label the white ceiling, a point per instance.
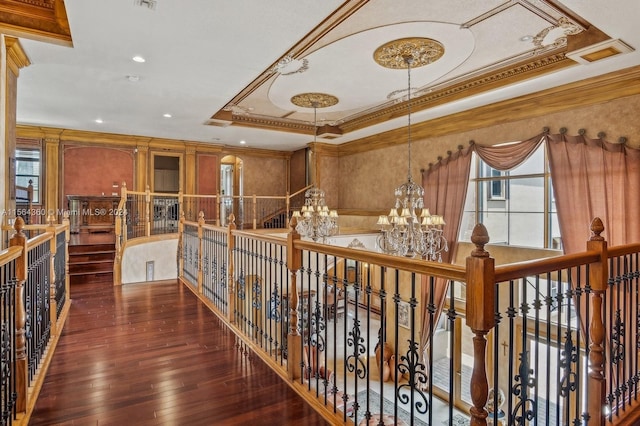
(203, 55)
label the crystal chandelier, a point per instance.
(409, 229)
(315, 220)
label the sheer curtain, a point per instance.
(594, 178)
(445, 187)
(445, 192)
(591, 178)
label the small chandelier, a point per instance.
(410, 229)
(315, 220)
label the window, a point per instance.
(495, 186)
(516, 206)
(28, 169)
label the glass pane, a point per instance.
(442, 354)
(497, 223)
(28, 153)
(526, 229)
(467, 364)
(526, 195)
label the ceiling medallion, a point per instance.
(314, 100)
(423, 51)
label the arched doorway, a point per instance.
(231, 190)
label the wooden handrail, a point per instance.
(534, 267)
(300, 191)
(9, 254)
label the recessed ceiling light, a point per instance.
(138, 58)
(133, 78)
(242, 142)
(99, 120)
(526, 38)
(167, 115)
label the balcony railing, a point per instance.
(360, 333)
(146, 213)
(35, 303)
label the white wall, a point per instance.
(163, 253)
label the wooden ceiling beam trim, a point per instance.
(37, 20)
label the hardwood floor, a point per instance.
(153, 354)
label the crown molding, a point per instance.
(16, 56)
(570, 96)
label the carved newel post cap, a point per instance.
(182, 216)
(18, 225)
(479, 237)
(51, 219)
(597, 227)
(65, 214)
(201, 218)
(232, 218)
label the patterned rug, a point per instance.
(374, 408)
(458, 420)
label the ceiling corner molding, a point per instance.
(604, 49)
(17, 57)
(320, 148)
(42, 20)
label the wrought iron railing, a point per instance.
(361, 332)
(35, 302)
(142, 214)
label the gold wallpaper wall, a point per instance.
(368, 179)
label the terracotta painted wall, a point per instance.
(368, 179)
(208, 170)
(89, 170)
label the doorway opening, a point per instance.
(231, 190)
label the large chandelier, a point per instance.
(315, 219)
(410, 229)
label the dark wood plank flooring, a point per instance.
(153, 354)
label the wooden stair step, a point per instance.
(87, 267)
(92, 248)
(91, 278)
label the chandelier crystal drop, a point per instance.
(315, 219)
(410, 229)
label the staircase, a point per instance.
(91, 258)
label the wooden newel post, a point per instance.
(180, 255)
(294, 262)
(200, 249)
(148, 212)
(598, 276)
(20, 368)
(53, 248)
(67, 237)
(481, 307)
(231, 288)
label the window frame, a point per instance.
(35, 178)
(482, 180)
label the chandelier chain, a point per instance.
(409, 61)
(410, 229)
